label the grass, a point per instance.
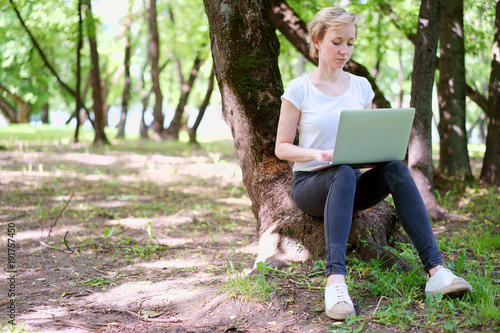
(388, 298)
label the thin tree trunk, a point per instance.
(45, 113)
(100, 135)
(186, 87)
(126, 63)
(399, 100)
(451, 87)
(424, 64)
(490, 172)
(79, 46)
(143, 129)
(154, 49)
(203, 107)
(250, 84)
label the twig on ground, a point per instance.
(15, 217)
(65, 243)
(154, 320)
(60, 213)
(378, 305)
(100, 240)
(75, 326)
(54, 248)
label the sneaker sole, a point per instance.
(454, 290)
(340, 316)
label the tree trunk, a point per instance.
(23, 110)
(100, 136)
(454, 155)
(424, 64)
(490, 172)
(126, 64)
(143, 129)
(154, 51)
(8, 111)
(399, 100)
(203, 107)
(79, 46)
(250, 84)
(295, 30)
(45, 113)
(186, 87)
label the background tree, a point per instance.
(490, 172)
(78, 104)
(154, 51)
(100, 135)
(202, 108)
(186, 88)
(424, 64)
(451, 87)
(126, 63)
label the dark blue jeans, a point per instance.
(336, 192)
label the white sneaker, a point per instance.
(338, 304)
(447, 283)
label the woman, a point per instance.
(312, 104)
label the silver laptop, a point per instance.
(368, 137)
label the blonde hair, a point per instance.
(326, 19)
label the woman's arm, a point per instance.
(287, 128)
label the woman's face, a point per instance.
(337, 45)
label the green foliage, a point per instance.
(23, 71)
(247, 287)
(18, 327)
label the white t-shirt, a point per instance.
(320, 113)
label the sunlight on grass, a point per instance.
(247, 287)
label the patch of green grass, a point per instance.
(17, 327)
(93, 282)
(248, 287)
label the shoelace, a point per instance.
(336, 293)
(340, 293)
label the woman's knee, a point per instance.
(343, 173)
(397, 173)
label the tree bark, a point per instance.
(295, 30)
(203, 107)
(45, 113)
(424, 64)
(79, 46)
(23, 110)
(186, 87)
(154, 51)
(143, 129)
(250, 83)
(451, 88)
(8, 111)
(490, 172)
(126, 64)
(100, 135)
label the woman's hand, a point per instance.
(323, 155)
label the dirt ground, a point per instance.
(127, 242)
